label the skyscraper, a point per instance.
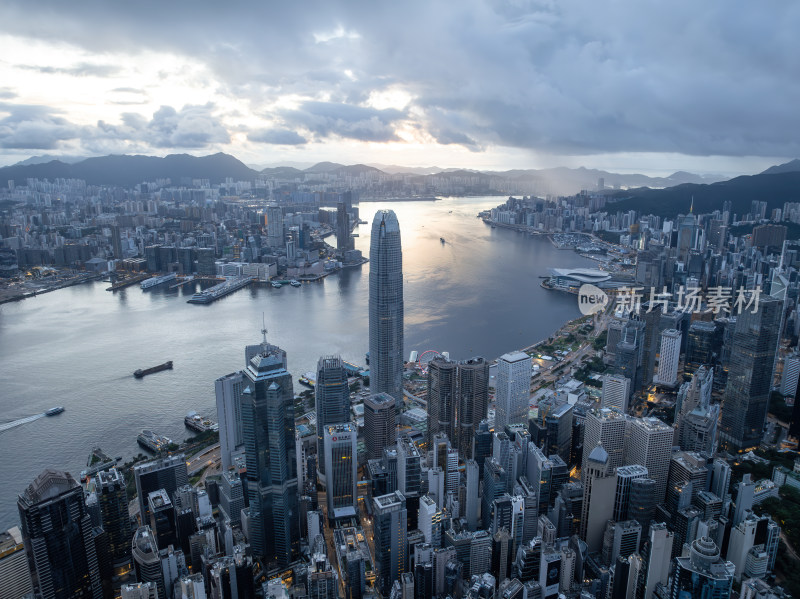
(274, 224)
(648, 442)
(697, 417)
(341, 463)
(599, 486)
(616, 392)
(165, 473)
(380, 430)
(607, 427)
(113, 500)
(442, 398)
(14, 572)
(669, 357)
(57, 534)
(344, 241)
(269, 437)
(473, 402)
(703, 574)
(333, 401)
(146, 559)
(513, 389)
(744, 406)
(386, 306)
(228, 390)
(390, 539)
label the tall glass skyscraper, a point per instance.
(744, 406)
(269, 439)
(386, 306)
(333, 401)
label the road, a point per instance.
(208, 459)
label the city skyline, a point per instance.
(656, 89)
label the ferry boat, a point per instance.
(54, 411)
(442, 240)
(147, 284)
(153, 441)
(309, 379)
(295, 283)
(197, 423)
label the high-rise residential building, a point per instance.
(146, 560)
(696, 416)
(228, 391)
(607, 427)
(57, 535)
(442, 398)
(332, 395)
(386, 306)
(167, 473)
(703, 574)
(668, 358)
(744, 407)
(648, 442)
(473, 402)
(112, 498)
(341, 462)
(14, 572)
(275, 235)
(380, 430)
(512, 389)
(390, 521)
(344, 240)
(599, 486)
(616, 392)
(269, 437)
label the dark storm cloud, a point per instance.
(83, 69)
(566, 76)
(280, 137)
(325, 119)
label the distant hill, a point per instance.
(792, 166)
(127, 170)
(45, 158)
(775, 189)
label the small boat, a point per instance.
(142, 373)
(295, 283)
(54, 411)
(442, 240)
(276, 285)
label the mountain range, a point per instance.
(666, 196)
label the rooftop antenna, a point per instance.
(264, 328)
(691, 206)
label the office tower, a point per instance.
(630, 353)
(191, 587)
(57, 535)
(550, 573)
(616, 392)
(616, 327)
(495, 481)
(269, 437)
(386, 306)
(473, 402)
(599, 486)
(344, 240)
(688, 475)
(512, 389)
(173, 566)
(567, 509)
(548, 474)
(167, 473)
(501, 555)
(14, 572)
(703, 574)
(409, 468)
(322, 580)
(649, 443)
(753, 546)
(116, 242)
(146, 559)
(703, 345)
(341, 463)
(332, 395)
(642, 501)
(697, 418)
(162, 518)
(472, 476)
(231, 497)
(745, 498)
(744, 407)
(790, 376)
(622, 497)
(480, 550)
(275, 236)
(621, 539)
(607, 427)
(657, 558)
(139, 590)
(668, 358)
(112, 497)
(355, 581)
(390, 520)
(556, 420)
(442, 398)
(625, 574)
(380, 430)
(652, 317)
(430, 521)
(720, 478)
(228, 391)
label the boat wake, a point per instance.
(20, 422)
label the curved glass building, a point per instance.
(386, 306)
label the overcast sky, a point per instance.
(626, 85)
